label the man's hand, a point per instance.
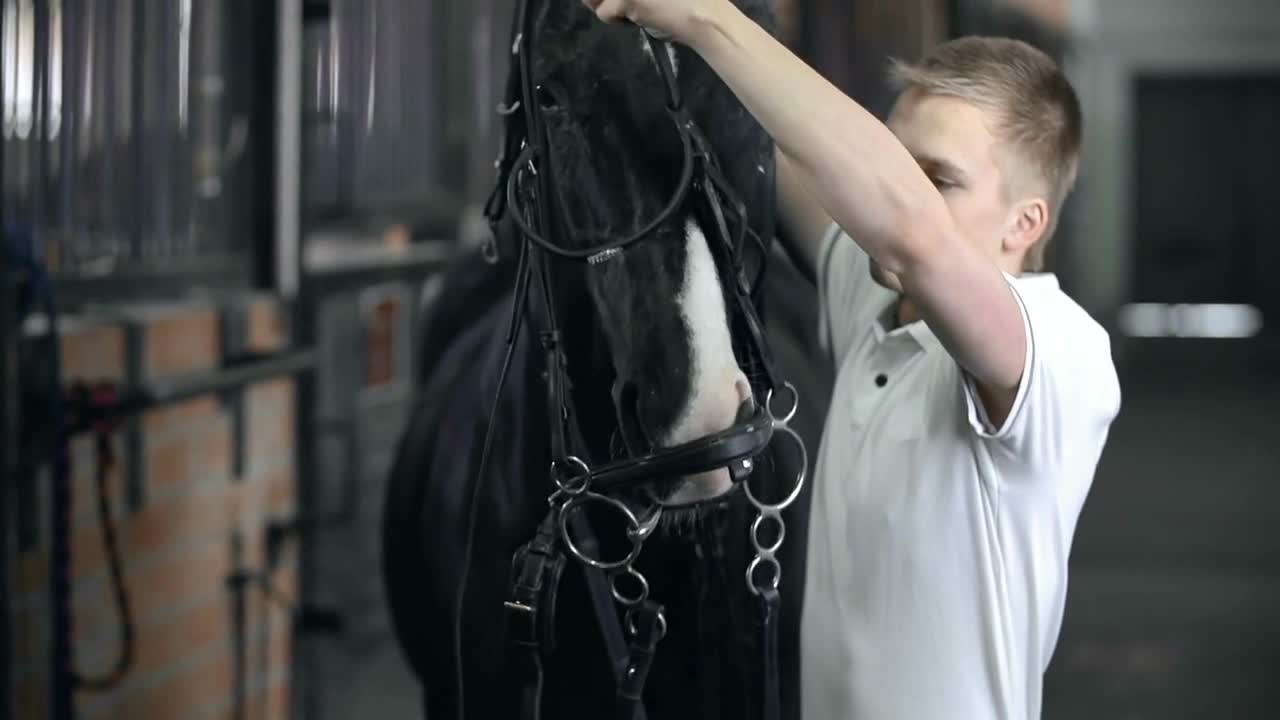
(679, 20)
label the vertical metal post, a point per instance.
(8, 469)
(159, 135)
(209, 86)
(8, 439)
(289, 280)
(138, 126)
(69, 133)
(39, 137)
(288, 150)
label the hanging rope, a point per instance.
(82, 409)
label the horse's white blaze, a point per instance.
(718, 385)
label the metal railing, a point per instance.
(130, 138)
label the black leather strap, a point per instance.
(770, 698)
(615, 641)
(530, 615)
(649, 627)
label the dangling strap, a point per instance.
(770, 701)
(530, 615)
(615, 641)
(649, 626)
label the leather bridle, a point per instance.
(524, 191)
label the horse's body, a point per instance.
(708, 666)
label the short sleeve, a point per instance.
(843, 284)
(1069, 392)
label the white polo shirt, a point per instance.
(938, 544)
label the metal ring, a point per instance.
(662, 623)
(800, 476)
(622, 597)
(632, 531)
(569, 488)
(795, 403)
(755, 533)
(644, 528)
(751, 573)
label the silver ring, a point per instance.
(634, 525)
(622, 597)
(751, 573)
(568, 488)
(755, 533)
(643, 529)
(662, 623)
(795, 403)
(800, 476)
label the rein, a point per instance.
(523, 191)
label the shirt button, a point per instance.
(882, 380)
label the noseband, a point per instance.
(523, 191)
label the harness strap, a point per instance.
(649, 626)
(536, 571)
(598, 589)
(770, 702)
(514, 133)
(739, 283)
(555, 395)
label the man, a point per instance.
(973, 397)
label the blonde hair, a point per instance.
(1037, 113)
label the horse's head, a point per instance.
(615, 160)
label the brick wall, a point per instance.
(193, 520)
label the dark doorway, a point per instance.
(1207, 152)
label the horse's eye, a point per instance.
(547, 99)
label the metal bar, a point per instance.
(137, 130)
(8, 438)
(39, 137)
(288, 149)
(236, 375)
(159, 137)
(69, 100)
(8, 469)
(149, 281)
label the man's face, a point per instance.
(951, 140)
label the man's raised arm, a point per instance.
(866, 180)
(804, 222)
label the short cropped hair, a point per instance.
(1035, 106)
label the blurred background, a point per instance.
(242, 208)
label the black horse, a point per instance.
(655, 358)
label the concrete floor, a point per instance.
(1173, 606)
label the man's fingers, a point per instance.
(611, 10)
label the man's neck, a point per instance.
(905, 312)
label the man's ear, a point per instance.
(1028, 221)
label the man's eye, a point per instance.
(942, 183)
